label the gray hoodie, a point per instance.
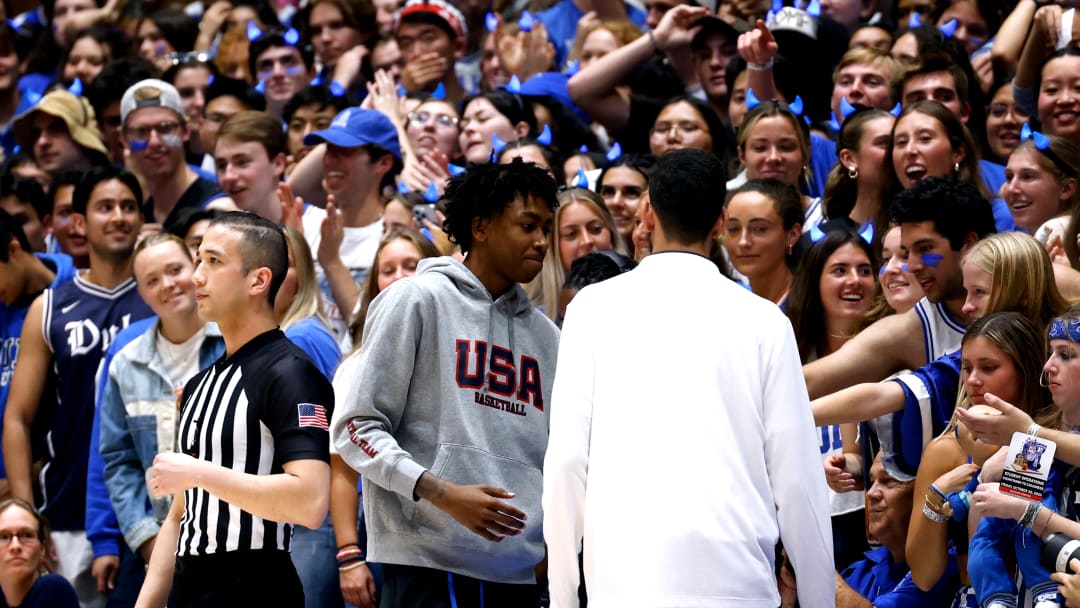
(452, 382)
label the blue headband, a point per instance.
(1065, 329)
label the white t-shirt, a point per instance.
(181, 360)
(357, 253)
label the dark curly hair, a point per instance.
(484, 190)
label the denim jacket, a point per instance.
(137, 408)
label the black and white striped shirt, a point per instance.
(252, 412)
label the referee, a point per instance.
(252, 442)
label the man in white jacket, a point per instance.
(682, 447)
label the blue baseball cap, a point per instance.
(552, 85)
(355, 127)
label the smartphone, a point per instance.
(425, 211)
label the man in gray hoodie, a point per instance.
(447, 420)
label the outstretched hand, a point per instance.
(995, 429)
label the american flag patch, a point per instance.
(313, 416)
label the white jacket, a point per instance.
(682, 446)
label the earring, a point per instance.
(789, 249)
(853, 172)
(956, 167)
(1044, 379)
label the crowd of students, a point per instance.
(902, 182)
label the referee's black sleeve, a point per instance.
(294, 383)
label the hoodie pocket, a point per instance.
(470, 466)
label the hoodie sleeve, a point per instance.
(795, 473)
(368, 416)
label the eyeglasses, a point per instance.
(163, 129)
(1000, 110)
(26, 537)
(684, 128)
(443, 120)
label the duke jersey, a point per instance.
(11, 323)
(79, 322)
(941, 333)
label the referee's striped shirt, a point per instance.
(264, 406)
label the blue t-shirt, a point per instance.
(561, 22)
(887, 584)
(48, 591)
(11, 324)
(317, 342)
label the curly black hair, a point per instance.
(484, 190)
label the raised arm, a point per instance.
(594, 88)
(758, 47)
(1009, 41)
(864, 401)
(27, 387)
(306, 178)
(889, 345)
(998, 430)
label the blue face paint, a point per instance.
(295, 70)
(881, 271)
(933, 260)
(904, 267)
(138, 145)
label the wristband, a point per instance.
(347, 545)
(759, 67)
(933, 515)
(1033, 430)
(351, 566)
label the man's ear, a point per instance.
(259, 281)
(480, 229)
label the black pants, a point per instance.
(236, 578)
(415, 587)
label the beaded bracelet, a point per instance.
(351, 566)
(933, 515)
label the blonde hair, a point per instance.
(307, 302)
(875, 58)
(544, 289)
(624, 33)
(1021, 276)
(426, 248)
